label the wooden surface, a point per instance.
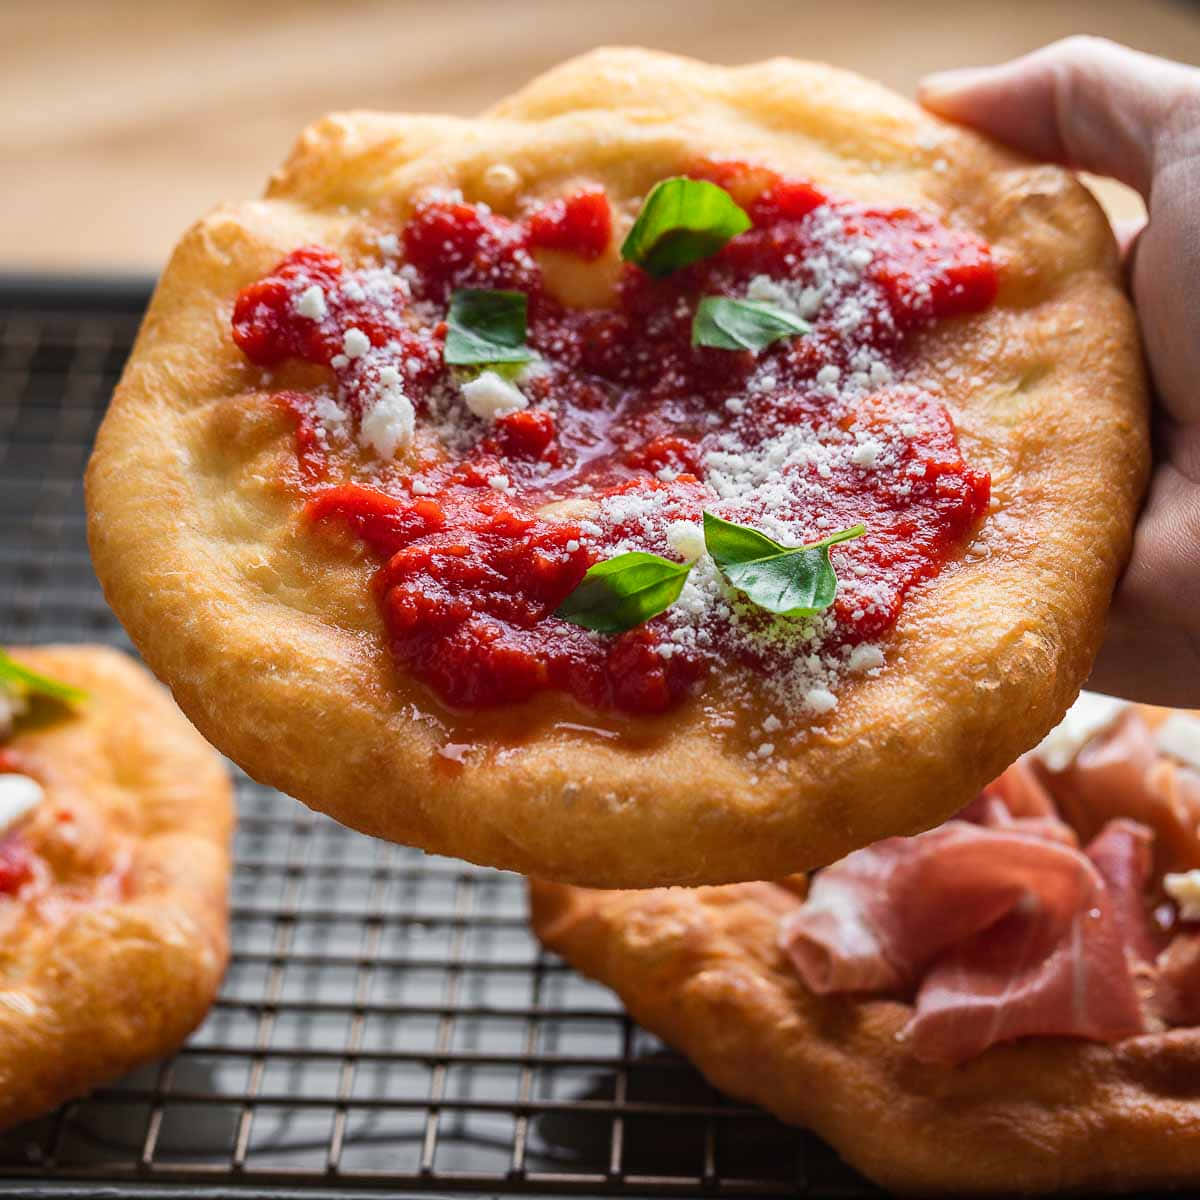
(124, 120)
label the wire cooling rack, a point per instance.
(387, 1021)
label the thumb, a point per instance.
(1085, 102)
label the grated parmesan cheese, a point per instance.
(311, 303)
(866, 454)
(388, 424)
(355, 343)
(865, 658)
(687, 539)
(489, 396)
(820, 700)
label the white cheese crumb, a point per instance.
(19, 796)
(828, 374)
(389, 244)
(1089, 715)
(686, 538)
(388, 424)
(421, 488)
(355, 343)
(866, 454)
(329, 413)
(908, 430)
(311, 303)
(820, 700)
(764, 288)
(772, 723)
(572, 546)
(1184, 888)
(766, 750)
(489, 396)
(865, 658)
(499, 482)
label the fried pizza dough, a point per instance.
(707, 970)
(267, 631)
(115, 884)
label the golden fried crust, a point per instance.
(701, 969)
(268, 635)
(118, 956)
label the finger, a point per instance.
(1085, 102)
(1152, 644)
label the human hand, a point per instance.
(1100, 107)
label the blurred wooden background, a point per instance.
(124, 120)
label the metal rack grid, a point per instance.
(387, 1020)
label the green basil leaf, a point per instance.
(682, 221)
(728, 324)
(790, 581)
(729, 542)
(799, 584)
(842, 535)
(24, 681)
(485, 327)
(624, 591)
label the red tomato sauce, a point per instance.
(624, 407)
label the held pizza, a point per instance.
(1006, 1004)
(114, 866)
(680, 474)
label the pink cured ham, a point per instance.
(998, 925)
(999, 931)
(1120, 773)
(1177, 995)
(1123, 854)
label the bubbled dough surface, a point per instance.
(93, 983)
(701, 969)
(268, 636)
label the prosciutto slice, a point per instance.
(1123, 854)
(1011, 921)
(1177, 995)
(1000, 930)
(1120, 773)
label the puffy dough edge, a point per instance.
(988, 658)
(701, 969)
(125, 981)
